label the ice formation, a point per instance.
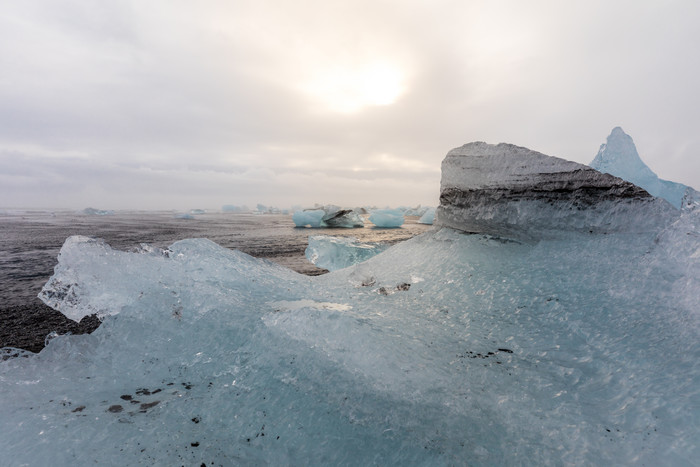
(387, 218)
(618, 156)
(448, 349)
(418, 211)
(428, 217)
(309, 217)
(514, 192)
(97, 212)
(328, 216)
(335, 253)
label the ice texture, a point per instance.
(514, 192)
(335, 253)
(451, 348)
(428, 217)
(618, 156)
(387, 218)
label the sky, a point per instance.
(172, 104)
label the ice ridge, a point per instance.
(618, 156)
(514, 192)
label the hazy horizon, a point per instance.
(131, 105)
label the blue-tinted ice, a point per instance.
(446, 349)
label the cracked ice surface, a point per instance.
(577, 350)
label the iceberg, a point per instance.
(345, 218)
(309, 217)
(513, 192)
(97, 212)
(335, 253)
(328, 216)
(428, 217)
(451, 348)
(387, 218)
(618, 156)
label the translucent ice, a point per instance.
(387, 217)
(428, 217)
(309, 217)
(334, 253)
(618, 156)
(446, 349)
(328, 216)
(97, 212)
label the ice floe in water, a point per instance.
(450, 348)
(334, 253)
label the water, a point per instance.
(30, 240)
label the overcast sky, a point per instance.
(178, 104)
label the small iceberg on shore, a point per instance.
(335, 253)
(328, 216)
(387, 218)
(428, 217)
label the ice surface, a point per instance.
(387, 218)
(428, 217)
(619, 157)
(445, 349)
(335, 253)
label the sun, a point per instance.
(348, 90)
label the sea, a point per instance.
(30, 240)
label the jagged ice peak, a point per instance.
(618, 156)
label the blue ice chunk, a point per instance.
(387, 218)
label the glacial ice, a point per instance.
(428, 217)
(387, 218)
(451, 348)
(335, 253)
(97, 212)
(618, 156)
(309, 217)
(514, 192)
(328, 216)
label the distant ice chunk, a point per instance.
(309, 218)
(234, 208)
(418, 211)
(197, 211)
(328, 216)
(387, 218)
(97, 212)
(428, 217)
(335, 253)
(183, 215)
(618, 156)
(346, 218)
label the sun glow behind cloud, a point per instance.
(349, 90)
